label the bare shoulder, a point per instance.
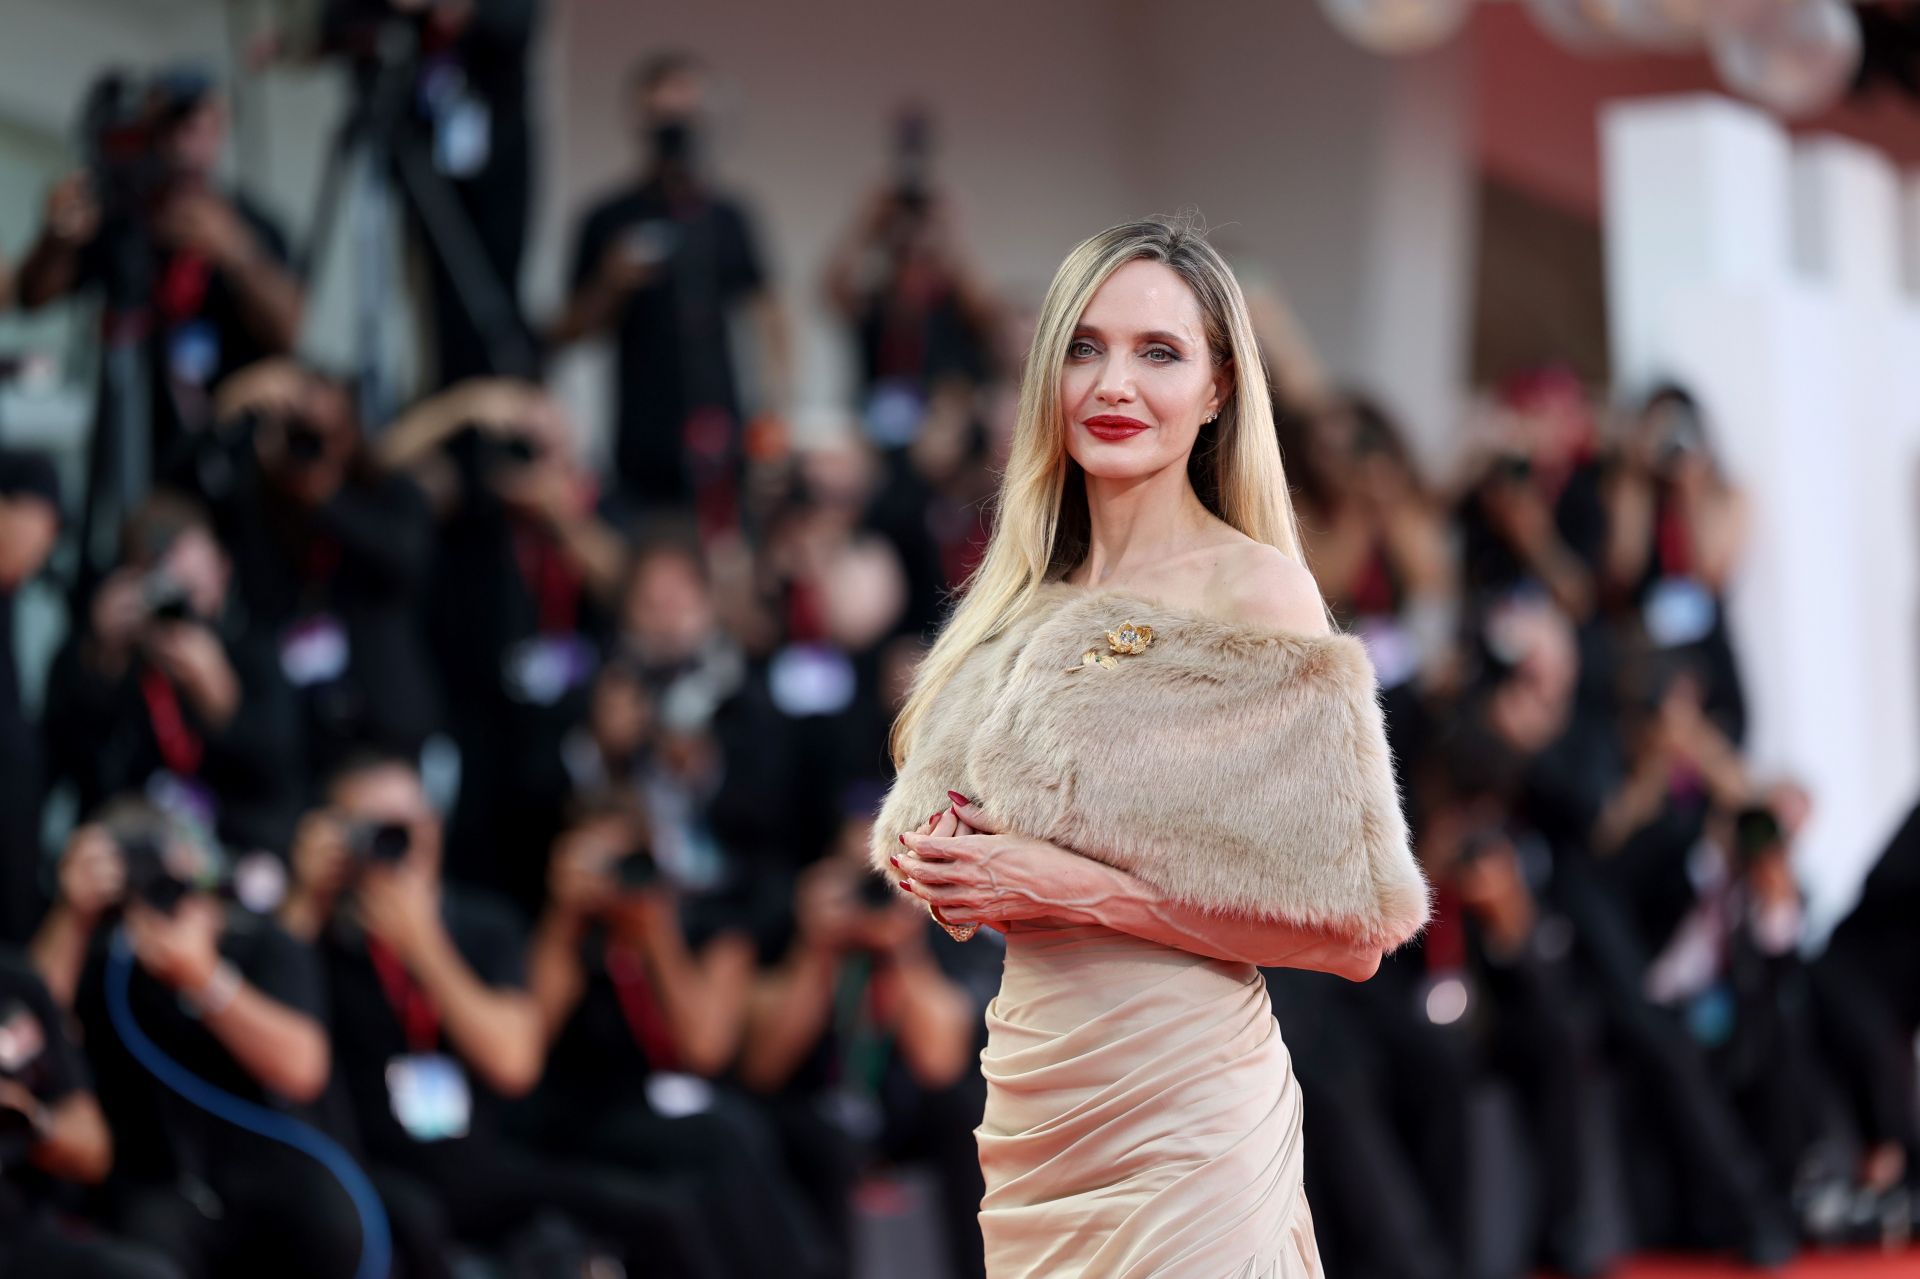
(1261, 585)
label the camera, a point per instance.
(143, 854)
(876, 892)
(379, 843)
(488, 450)
(166, 598)
(1756, 831)
(636, 870)
(124, 120)
(1516, 468)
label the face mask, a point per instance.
(673, 142)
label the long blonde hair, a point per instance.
(1041, 523)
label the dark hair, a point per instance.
(661, 65)
(362, 760)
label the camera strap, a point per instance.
(180, 746)
(418, 1018)
(640, 1006)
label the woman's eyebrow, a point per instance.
(1151, 335)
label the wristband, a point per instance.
(216, 993)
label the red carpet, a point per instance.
(1853, 1265)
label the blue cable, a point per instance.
(376, 1240)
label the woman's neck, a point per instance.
(1136, 525)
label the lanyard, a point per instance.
(416, 1013)
(555, 583)
(640, 1005)
(1675, 547)
(861, 1059)
(180, 747)
(183, 286)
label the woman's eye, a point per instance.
(1161, 350)
(1079, 349)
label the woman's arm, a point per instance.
(998, 876)
(1134, 906)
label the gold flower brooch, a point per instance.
(1125, 639)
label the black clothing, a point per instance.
(489, 59)
(159, 1137)
(52, 1074)
(485, 1186)
(369, 1031)
(200, 332)
(21, 898)
(518, 637)
(352, 568)
(672, 343)
(112, 734)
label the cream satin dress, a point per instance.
(1142, 1116)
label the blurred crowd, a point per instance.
(437, 855)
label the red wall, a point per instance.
(1536, 106)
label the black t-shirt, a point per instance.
(853, 1051)
(157, 1134)
(22, 475)
(369, 1032)
(106, 735)
(40, 1056)
(201, 331)
(352, 569)
(604, 1051)
(672, 332)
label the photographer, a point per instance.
(162, 689)
(663, 265)
(330, 556)
(29, 524)
(643, 988)
(219, 288)
(525, 566)
(51, 1133)
(436, 1028)
(920, 310)
(861, 1037)
(236, 1003)
(1676, 528)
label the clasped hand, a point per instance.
(985, 873)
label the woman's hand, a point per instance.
(995, 877)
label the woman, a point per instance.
(1165, 770)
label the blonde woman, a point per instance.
(1157, 769)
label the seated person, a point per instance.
(162, 690)
(52, 1137)
(643, 987)
(436, 1028)
(863, 1036)
(236, 1002)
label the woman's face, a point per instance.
(1139, 358)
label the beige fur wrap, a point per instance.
(1235, 768)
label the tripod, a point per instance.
(380, 139)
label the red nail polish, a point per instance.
(958, 798)
(906, 885)
(903, 839)
(895, 861)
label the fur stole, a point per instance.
(1235, 768)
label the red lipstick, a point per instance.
(1114, 426)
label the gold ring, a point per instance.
(959, 932)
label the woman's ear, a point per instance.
(1222, 389)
